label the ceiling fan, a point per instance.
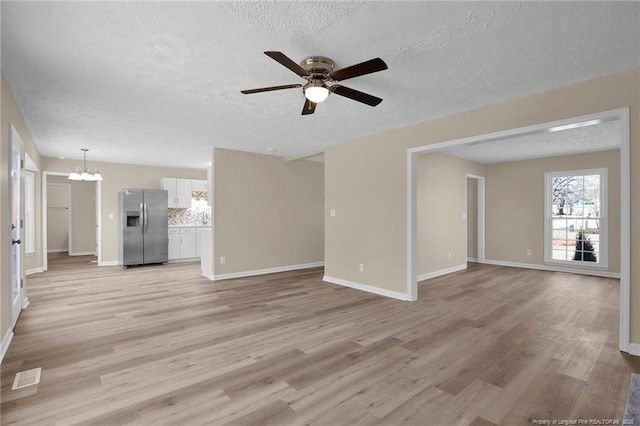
(318, 71)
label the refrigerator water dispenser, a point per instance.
(133, 219)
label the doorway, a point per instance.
(77, 214)
(621, 116)
(58, 217)
(475, 218)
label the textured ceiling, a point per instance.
(600, 137)
(159, 83)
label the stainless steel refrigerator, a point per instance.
(143, 223)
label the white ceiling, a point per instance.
(159, 83)
(601, 137)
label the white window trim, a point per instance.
(603, 257)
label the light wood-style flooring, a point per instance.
(162, 345)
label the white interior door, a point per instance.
(17, 225)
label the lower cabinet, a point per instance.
(174, 243)
(199, 232)
(187, 243)
(184, 243)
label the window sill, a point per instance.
(587, 266)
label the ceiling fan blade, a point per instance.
(284, 60)
(269, 89)
(309, 107)
(363, 68)
(356, 95)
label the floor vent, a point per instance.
(27, 378)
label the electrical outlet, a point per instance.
(361, 267)
(529, 252)
(332, 212)
(223, 260)
(449, 255)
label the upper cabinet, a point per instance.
(179, 192)
(198, 185)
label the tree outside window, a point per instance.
(576, 201)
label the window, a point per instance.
(576, 218)
(29, 212)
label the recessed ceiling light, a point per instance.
(575, 125)
(271, 150)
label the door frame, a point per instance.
(622, 115)
(480, 212)
(45, 176)
(16, 141)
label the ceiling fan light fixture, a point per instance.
(317, 71)
(316, 91)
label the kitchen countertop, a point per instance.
(208, 225)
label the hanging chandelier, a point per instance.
(84, 172)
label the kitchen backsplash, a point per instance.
(199, 195)
(192, 216)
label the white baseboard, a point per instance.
(109, 263)
(265, 271)
(367, 288)
(190, 259)
(6, 341)
(25, 303)
(34, 271)
(62, 250)
(605, 274)
(83, 253)
(442, 272)
(634, 349)
(472, 259)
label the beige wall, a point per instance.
(441, 203)
(83, 215)
(10, 114)
(515, 205)
(58, 211)
(267, 212)
(366, 179)
(472, 218)
(117, 177)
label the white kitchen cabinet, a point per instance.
(198, 185)
(184, 242)
(179, 192)
(199, 232)
(187, 243)
(205, 254)
(174, 243)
